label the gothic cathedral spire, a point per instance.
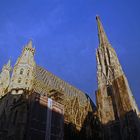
(108, 65)
(113, 87)
(5, 78)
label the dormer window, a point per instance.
(21, 71)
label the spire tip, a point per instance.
(101, 33)
(97, 17)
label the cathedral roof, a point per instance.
(46, 79)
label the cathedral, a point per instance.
(37, 105)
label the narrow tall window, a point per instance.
(28, 72)
(19, 80)
(21, 71)
(26, 81)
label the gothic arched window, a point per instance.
(21, 71)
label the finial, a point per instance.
(29, 45)
(9, 63)
(97, 17)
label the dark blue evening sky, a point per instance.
(64, 33)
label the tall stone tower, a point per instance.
(114, 97)
(5, 78)
(23, 72)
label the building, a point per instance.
(36, 104)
